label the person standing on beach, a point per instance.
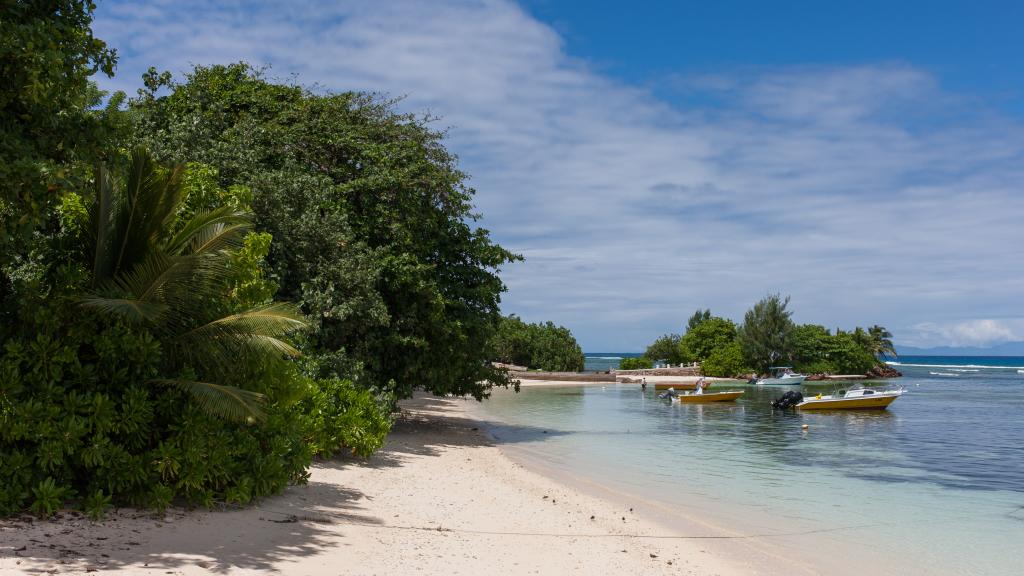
(643, 385)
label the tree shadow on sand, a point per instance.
(426, 426)
(302, 522)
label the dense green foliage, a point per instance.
(665, 348)
(47, 54)
(371, 220)
(768, 337)
(766, 332)
(162, 263)
(635, 363)
(80, 418)
(146, 355)
(725, 361)
(698, 317)
(540, 346)
(705, 337)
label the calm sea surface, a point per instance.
(934, 485)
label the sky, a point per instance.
(652, 158)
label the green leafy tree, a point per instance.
(766, 333)
(810, 345)
(704, 338)
(168, 275)
(848, 354)
(48, 134)
(725, 362)
(543, 346)
(372, 222)
(665, 348)
(698, 317)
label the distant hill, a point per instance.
(1004, 349)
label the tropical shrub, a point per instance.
(80, 421)
(635, 363)
(343, 416)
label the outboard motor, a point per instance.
(788, 400)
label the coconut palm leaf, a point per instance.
(213, 230)
(149, 203)
(218, 345)
(228, 402)
(133, 310)
(173, 277)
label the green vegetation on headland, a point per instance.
(205, 286)
(768, 337)
(541, 346)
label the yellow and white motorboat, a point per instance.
(856, 399)
(708, 397)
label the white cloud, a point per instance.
(969, 333)
(866, 192)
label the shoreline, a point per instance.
(440, 497)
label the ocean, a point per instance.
(934, 485)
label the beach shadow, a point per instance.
(256, 538)
(426, 425)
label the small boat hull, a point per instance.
(781, 381)
(709, 397)
(875, 402)
(676, 385)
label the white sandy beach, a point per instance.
(440, 498)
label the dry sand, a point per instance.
(439, 498)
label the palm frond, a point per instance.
(217, 347)
(275, 319)
(228, 402)
(211, 230)
(101, 216)
(136, 311)
(151, 199)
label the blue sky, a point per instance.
(650, 159)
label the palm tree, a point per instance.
(168, 274)
(881, 342)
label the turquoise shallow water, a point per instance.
(934, 485)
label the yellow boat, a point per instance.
(856, 399)
(708, 397)
(674, 385)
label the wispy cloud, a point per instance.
(867, 192)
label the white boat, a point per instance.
(782, 376)
(856, 399)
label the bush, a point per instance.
(725, 362)
(635, 364)
(344, 416)
(80, 422)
